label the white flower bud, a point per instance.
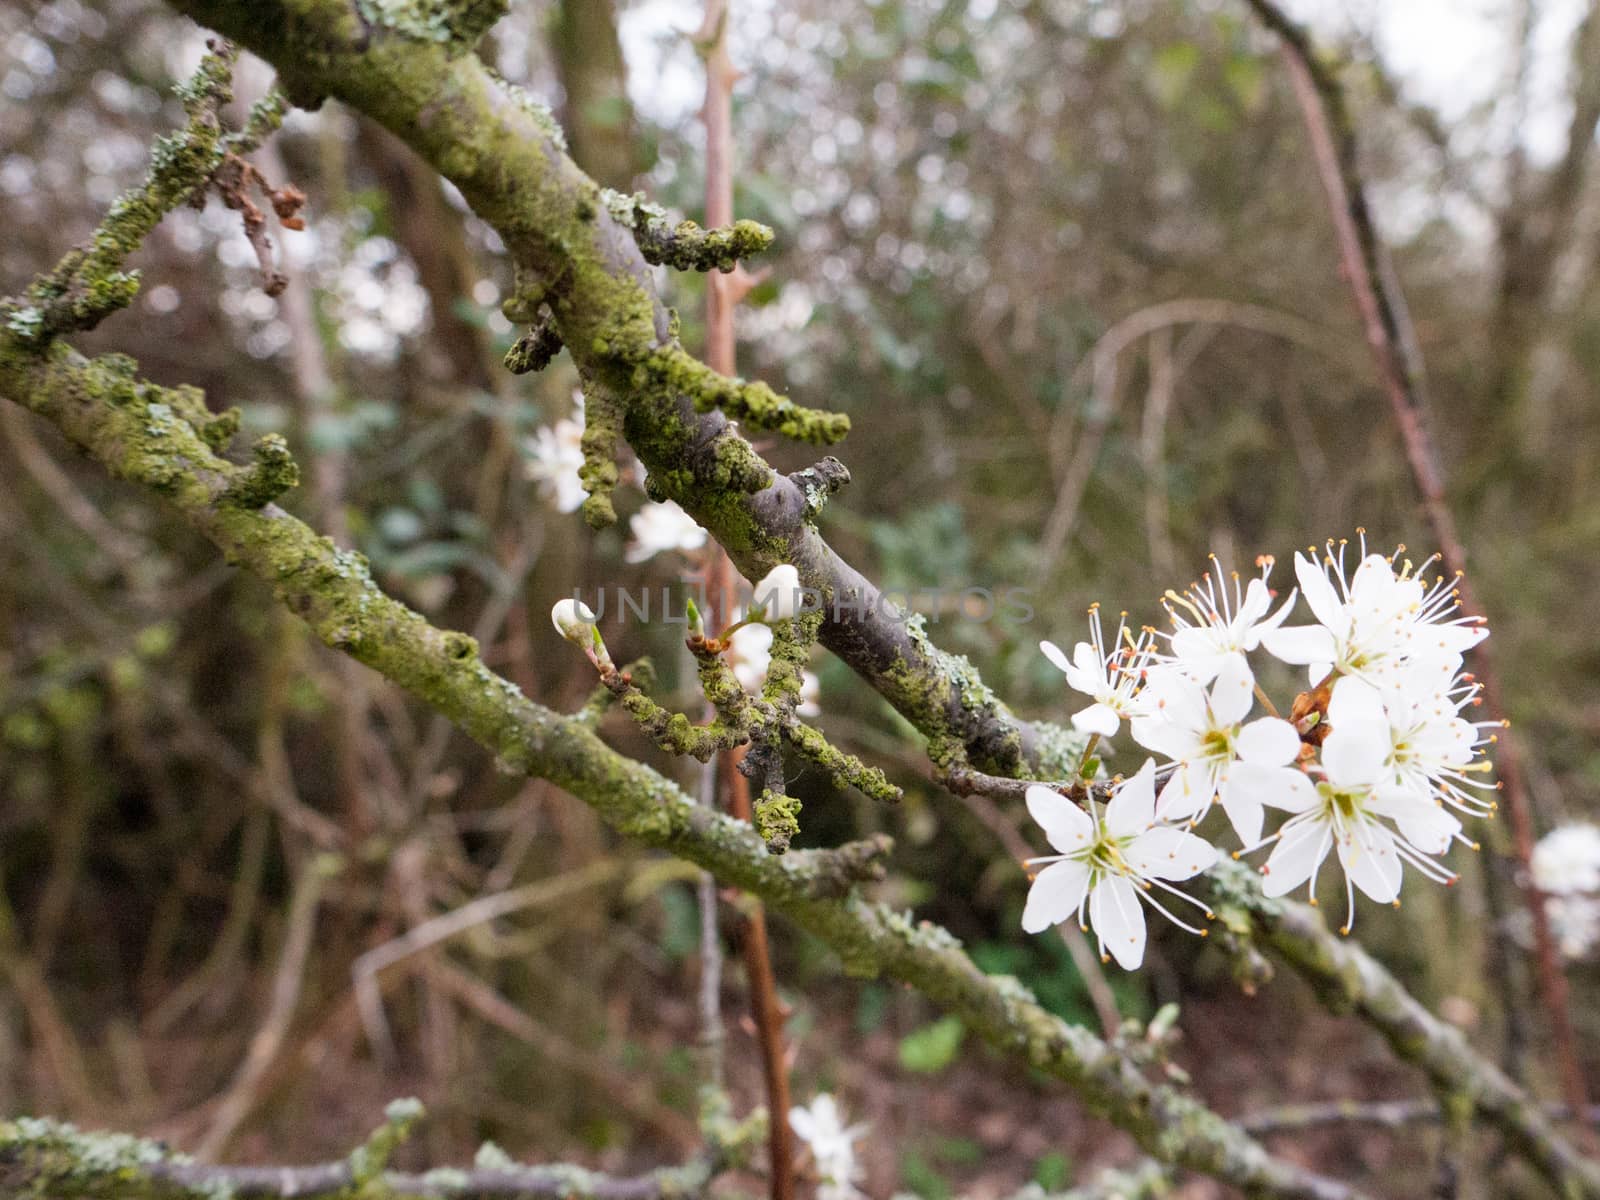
(777, 596)
(573, 620)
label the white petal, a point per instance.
(1373, 585)
(1055, 654)
(1231, 695)
(1372, 864)
(1118, 918)
(1257, 599)
(1445, 741)
(1055, 895)
(1278, 787)
(1299, 644)
(1319, 592)
(1168, 853)
(1253, 638)
(1196, 648)
(1087, 671)
(1186, 794)
(1295, 856)
(1355, 700)
(1428, 826)
(1269, 741)
(1354, 754)
(1423, 820)
(1097, 718)
(1133, 807)
(1067, 826)
(1244, 812)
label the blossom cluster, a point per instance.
(1373, 762)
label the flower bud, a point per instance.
(573, 620)
(697, 623)
(778, 596)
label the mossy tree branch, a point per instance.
(585, 267)
(46, 1158)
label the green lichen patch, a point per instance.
(457, 23)
(685, 246)
(777, 819)
(750, 401)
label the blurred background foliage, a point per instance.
(1067, 266)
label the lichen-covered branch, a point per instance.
(89, 282)
(684, 245)
(1348, 979)
(131, 428)
(46, 1158)
(505, 153)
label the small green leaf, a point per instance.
(932, 1048)
(1053, 1171)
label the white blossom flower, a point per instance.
(657, 528)
(1347, 811)
(1574, 923)
(749, 653)
(1111, 677)
(555, 453)
(1373, 621)
(1214, 625)
(1111, 864)
(778, 595)
(1430, 750)
(1216, 757)
(832, 1146)
(1567, 860)
(810, 696)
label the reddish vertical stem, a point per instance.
(722, 294)
(1334, 151)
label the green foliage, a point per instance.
(932, 1048)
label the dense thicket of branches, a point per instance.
(1087, 322)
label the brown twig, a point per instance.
(722, 294)
(1333, 143)
(243, 1091)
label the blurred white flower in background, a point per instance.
(555, 453)
(658, 528)
(1566, 868)
(749, 653)
(1567, 860)
(832, 1144)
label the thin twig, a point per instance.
(722, 294)
(241, 1093)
